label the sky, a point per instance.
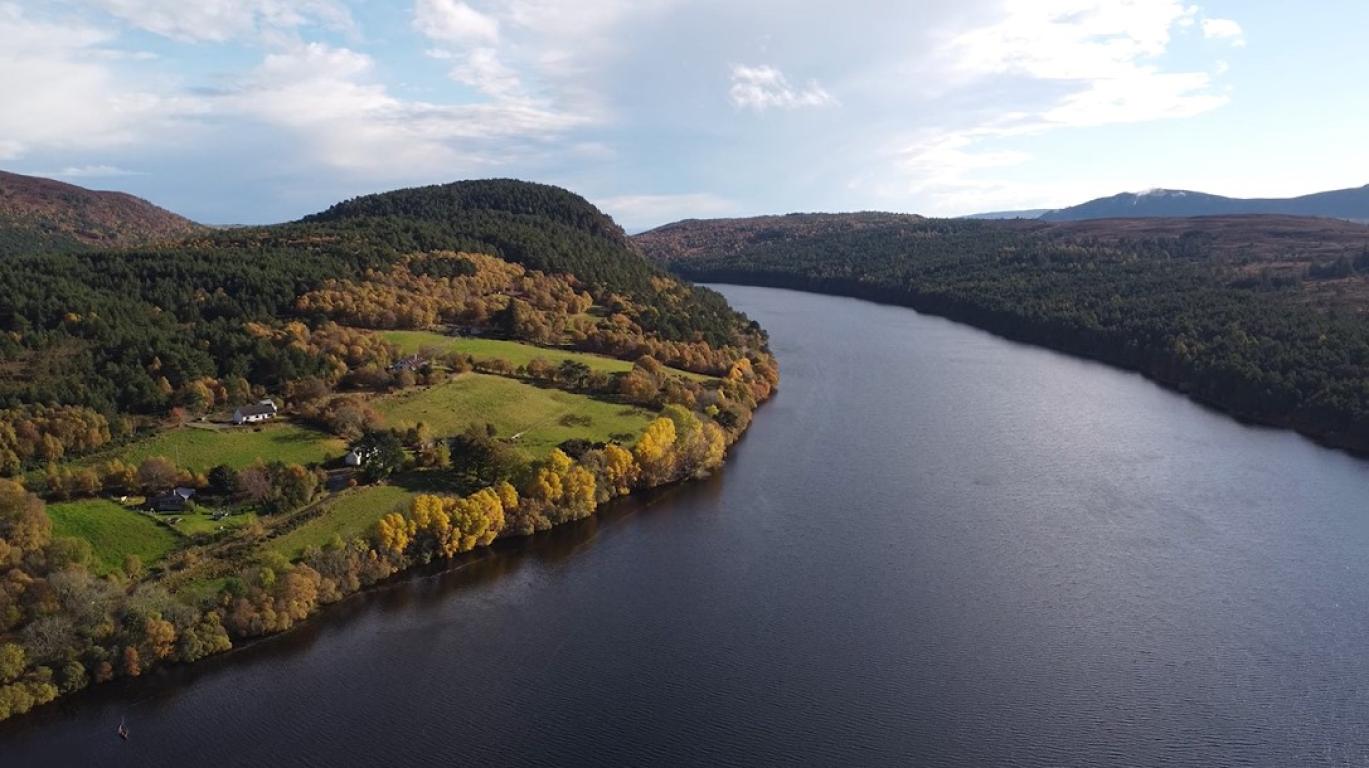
(257, 111)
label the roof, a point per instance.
(409, 363)
(260, 409)
(168, 499)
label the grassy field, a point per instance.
(113, 531)
(200, 522)
(200, 448)
(515, 352)
(348, 515)
(537, 419)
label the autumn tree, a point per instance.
(655, 451)
(156, 474)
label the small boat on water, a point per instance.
(123, 730)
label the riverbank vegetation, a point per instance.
(279, 417)
(1265, 317)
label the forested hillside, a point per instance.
(38, 214)
(205, 440)
(125, 331)
(1264, 317)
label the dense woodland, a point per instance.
(130, 331)
(1264, 317)
(104, 348)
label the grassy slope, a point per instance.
(515, 352)
(203, 522)
(515, 408)
(113, 531)
(348, 515)
(202, 448)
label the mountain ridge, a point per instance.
(38, 213)
(1351, 204)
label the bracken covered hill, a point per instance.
(38, 214)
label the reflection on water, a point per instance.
(934, 548)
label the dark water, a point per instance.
(934, 548)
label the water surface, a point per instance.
(934, 548)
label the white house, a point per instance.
(358, 456)
(262, 411)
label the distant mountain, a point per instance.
(684, 239)
(38, 214)
(1032, 213)
(1352, 204)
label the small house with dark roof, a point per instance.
(410, 363)
(171, 501)
(250, 414)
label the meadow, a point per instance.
(199, 448)
(517, 353)
(113, 530)
(349, 514)
(534, 418)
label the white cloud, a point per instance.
(484, 71)
(60, 91)
(92, 172)
(764, 87)
(1070, 39)
(453, 21)
(635, 212)
(547, 51)
(1102, 50)
(1224, 29)
(221, 20)
(1077, 64)
(348, 121)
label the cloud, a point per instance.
(1100, 50)
(1064, 64)
(222, 20)
(1224, 29)
(61, 90)
(452, 21)
(91, 172)
(348, 121)
(637, 212)
(484, 71)
(764, 87)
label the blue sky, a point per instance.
(252, 111)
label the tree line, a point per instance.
(1241, 332)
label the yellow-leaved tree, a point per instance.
(392, 533)
(655, 451)
(619, 470)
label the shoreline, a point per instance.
(1006, 328)
(640, 498)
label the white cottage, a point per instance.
(250, 414)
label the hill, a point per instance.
(289, 414)
(1266, 317)
(540, 227)
(1352, 204)
(104, 329)
(536, 225)
(1031, 213)
(711, 237)
(38, 214)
